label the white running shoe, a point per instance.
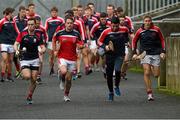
(66, 99)
(96, 68)
(150, 97)
(61, 85)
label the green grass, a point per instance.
(164, 90)
(136, 69)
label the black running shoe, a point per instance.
(79, 75)
(2, 79)
(39, 81)
(29, 101)
(10, 79)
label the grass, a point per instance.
(164, 90)
(136, 69)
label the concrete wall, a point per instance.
(172, 64)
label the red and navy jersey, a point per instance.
(31, 43)
(90, 21)
(43, 33)
(151, 40)
(80, 19)
(78, 26)
(36, 16)
(109, 18)
(51, 25)
(68, 43)
(129, 24)
(8, 31)
(119, 38)
(60, 27)
(96, 15)
(20, 23)
(98, 28)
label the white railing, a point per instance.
(137, 8)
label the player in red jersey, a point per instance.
(67, 56)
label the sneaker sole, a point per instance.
(29, 102)
(151, 99)
(117, 95)
(61, 88)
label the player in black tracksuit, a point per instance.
(114, 55)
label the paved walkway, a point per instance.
(88, 100)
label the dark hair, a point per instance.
(90, 4)
(54, 9)
(79, 6)
(122, 16)
(34, 19)
(31, 4)
(69, 17)
(37, 18)
(70, 12)
(147, 16)
(87, 8)
(22, 8)
(115, 20)
(4, 12)
(8, 10)
(103, 14)
(119, 9)
(110, 5)
(27, 9)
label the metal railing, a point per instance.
(137, 8)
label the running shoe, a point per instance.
(111, 97)
(123, 76)
(105, 75)
(79, 75)
(150, 97)
(117, 91)
(74, 77)
(96, 68)
(29, 101)
(88, 70)
(61, 85)
(66, 99)
(9, 79)
(52, 73)
(2, 79)
(38, 81)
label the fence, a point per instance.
(172, 64)
(138, 8)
